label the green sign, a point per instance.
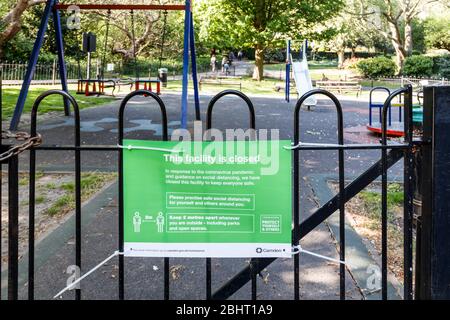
(207, 199)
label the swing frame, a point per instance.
(53, 8)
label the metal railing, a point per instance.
(390, 154)
(416, 83)
(48, 73)
(45, 73)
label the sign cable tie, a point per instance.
(87, 274)
(298, 249)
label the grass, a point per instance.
(50, 186)
(91, 182)
(23, 181)
(51, 103)
(313, 65)
(377, 83)
(60, 205)
(40, 199)
(249, 86)
(372, 203)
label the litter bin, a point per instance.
(163, 73)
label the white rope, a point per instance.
(72, 285)
(298, 249)
(130, 147)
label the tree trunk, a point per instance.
(408, 38)
(400, 57)
(258, 73)
(341, 58)
(398, 45)
(13, 21)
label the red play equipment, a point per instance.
(394, 128)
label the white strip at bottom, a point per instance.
(208, 250)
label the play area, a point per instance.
(157, 162)
(393, 128)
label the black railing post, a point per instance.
(434, 252)
(13, 228)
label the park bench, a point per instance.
(340, 86)
(221, 81)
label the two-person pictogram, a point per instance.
(159, 221)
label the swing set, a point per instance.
(53, 8)
(99, 85)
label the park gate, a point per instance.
(432, 238)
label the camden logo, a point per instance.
(272, 250)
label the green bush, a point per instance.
(377, 67)
(272, 55)
(418, 66)
(441, 66)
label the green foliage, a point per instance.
(226, 24)
(271, 55)
(418, 66)
(418, 32)
(352, 32)
(152, 65)
(441, 66)
(437, 32)
(377, 67)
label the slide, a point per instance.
(303, 81)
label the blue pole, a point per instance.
(305, 54)
(61, 62)
(288, 72)
(194, 71)
(184, 95)
(31, 65)
(288, 82)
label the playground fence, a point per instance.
(415, 82)
(48, 73)
(45, 73)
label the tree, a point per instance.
(437, 32)
(145, 32)
(21, 21)
(260, 24)
(350, 33)
(148, 27)
(11, 22)
(394, 19)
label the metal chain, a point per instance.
(28, 143)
